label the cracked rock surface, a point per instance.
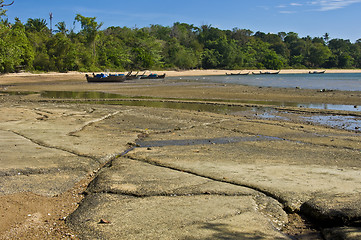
(174, 174)
(143, 201)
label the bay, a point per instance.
(329, 81)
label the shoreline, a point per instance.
(27, 77)
(180, 73)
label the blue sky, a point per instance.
(339, 18)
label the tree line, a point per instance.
(33, 46)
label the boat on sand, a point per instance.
(270, 72)
(153, 76)
(317, 72)
(237, 74)
(106, 77)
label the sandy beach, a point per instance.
(96, 169)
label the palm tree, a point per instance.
(36, 25)
(326, 37)
(61, 28)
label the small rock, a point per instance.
(104, 221)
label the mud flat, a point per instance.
(74, 168)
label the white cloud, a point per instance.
(327, 5)
(287, 12)
(296, 4)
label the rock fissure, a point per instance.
(42, 144)
(267, 193)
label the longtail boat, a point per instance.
(317, 72)
(105, 78)
(270, 72)
(153, 76)
(237, 74)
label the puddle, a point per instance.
(11, 93)
(190, 142)
(271, 114)
(332, 107)
(344, 122)
(82, 95)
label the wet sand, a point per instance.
(54, 150)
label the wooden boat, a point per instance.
(317, 72)
(255, 73)
(270, 72)
(106, 78)
(153, 76)
(237, 74)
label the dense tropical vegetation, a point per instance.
(33, 46)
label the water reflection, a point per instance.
(343, 122)
(193, 106)
(338, 121)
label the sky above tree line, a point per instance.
(339, 18)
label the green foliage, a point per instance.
(182, 46)
(15, 49)
(36, 25)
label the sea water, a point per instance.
(329, 81)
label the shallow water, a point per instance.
(343, 122)
(189, 142)
(352, 123)
(331, 81)
(192, 106)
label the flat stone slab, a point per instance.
(113, 216)
(337, 210)
(290, 163)
(136, 178)
(27, 166)
(45, 184)
(172, 204)
(349, 233)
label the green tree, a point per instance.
(89, 29)
(62, 53)
(146, 51)
(61, 28)
(15, 49)
(178, 56)
(36, 25)
(112, 52)
(319, 54)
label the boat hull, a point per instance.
(317, 72)
(105, 79)
(153, 77)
